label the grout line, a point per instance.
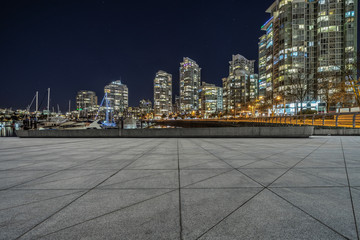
(62, 208)
(42, 145)
(108, 213)
(65, 169)
(179, 187)
(266, 187)
(351, 198)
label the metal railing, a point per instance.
(351, 120)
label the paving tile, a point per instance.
(332, 206)
(69, 179)
(354, 176)
(269, 217)
(143, 179)
(16, 221)
(191, 177)
(356, 202)
(142, 200)
(12, 178)
(264, 176)
(310, 178)
(153, 219)
(231, 179)
(203, 208)
(155, 161)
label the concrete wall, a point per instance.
(87, 133)
(337, 131)
(274, 132)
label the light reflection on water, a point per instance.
(6, 130)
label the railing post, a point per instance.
(337, 118)
(354, 120)
(304, 120)
(312, 122)
(323, 120)
(296, 119)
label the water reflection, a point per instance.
(7, 129)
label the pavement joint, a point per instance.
(59, 210)
(181, 189)
(349, 185)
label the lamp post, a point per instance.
(252, 110)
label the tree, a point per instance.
(339, 88)
(298, 89)
(352, 72)
(326, 86)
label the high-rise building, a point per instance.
(304, 40)
(86, 102)
(176, 107)
(145, 106)
(162, 94)
(210, 101)
(118, 96)
(240, 87)
(190, 80)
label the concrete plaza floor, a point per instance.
(180, 188)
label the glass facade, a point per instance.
(162, 94)
(190, 80)
(241, 86)
(210, 100)
(86, 102)
(305, 39)
(118, 96)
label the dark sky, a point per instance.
(69, 45)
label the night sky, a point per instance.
(70, 45)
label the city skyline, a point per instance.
(90, 64)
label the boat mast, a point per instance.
(48, 104)
(37, 103)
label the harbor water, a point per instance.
(7, 129)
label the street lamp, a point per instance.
(252, 110)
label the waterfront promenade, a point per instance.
(185, 188)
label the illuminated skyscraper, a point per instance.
(190, 80)
(118, 96)
(241, 86)
(304, 41)
(162, 94)
(211, 100)
(145, 106)
(86, 102)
